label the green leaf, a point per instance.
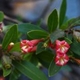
(11, 36)
(66, 68)
(25, 27)
(6, 72)
(29, 70)
(37, 34)
(71, 23)
(40, 48)
(14, 75)
(62, 12)
(39, 22)
(46, 57)
(57, 34)
(69, 36)
(16, 47)
(75, 47)
(65, 19)
(53, 68)
(68, 40)
(34, 60)
(53, 21)
(27, 57)
(1, 16)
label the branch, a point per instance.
(10, 19)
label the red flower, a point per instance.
(61, 59)
(29, 46)
(62, 46)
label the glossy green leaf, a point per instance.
(57, 34)
(37, 34)
(1, 16)
(46, 57)
(29, 70)
(62, 12)
(14, 75)
(66, 68)
(16, 47)
(27, 57)
(40, 48)
(11, 36)
(69, 36)
(25, 27)
(6, 72)
(53, 21)
(75, 47)
(53, 68)
(71, 23)
(65, 19)
(34, 60)
(68, 40)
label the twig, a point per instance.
(13, 20)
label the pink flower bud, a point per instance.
(29, 46)
(36, 41)
(61, 59)
(34, 49)
(26, 46)
(62, 46)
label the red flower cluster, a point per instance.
(61, 48)
(29, 46)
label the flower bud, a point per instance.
(45, 45)
(10, 46)
(16, 55)
(6, 61)
(36, 41)
(29, 46)
(26, 46)
(34, 49)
